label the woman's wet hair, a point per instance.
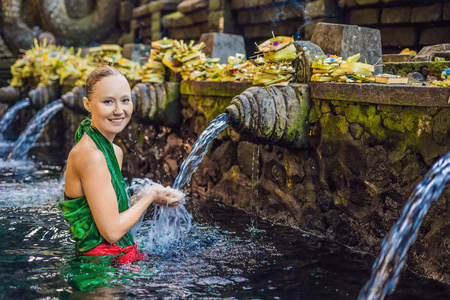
(97, 75)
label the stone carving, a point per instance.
(43, 95)
(308, 52)
(74, 99)
(157, 102)
(90, 21)
(272, 115)
(10, 94)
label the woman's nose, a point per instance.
(118, 109)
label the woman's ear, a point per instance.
(87, 104)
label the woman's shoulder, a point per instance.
(86, 152)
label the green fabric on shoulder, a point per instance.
(77, 211)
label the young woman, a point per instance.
(96, 198)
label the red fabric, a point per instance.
(130, 252)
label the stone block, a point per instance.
(189, 6)
(446, 14)
(346, 3)
(366, 2)
(321, 8)
(137, 52)
(424, 14)
(271, 14)
(215, 5)
(435, 35)
(127, 38)
(398, 36)
(368, 16)
(156, 35)
(150, 20)
(428, 50)
(222, 45)
(387, 58)
(178, 19)
(311, 26)
(147, 9)
(237, 4)
(347, 40)
(395, 15)
(134, 25)
(399, 1)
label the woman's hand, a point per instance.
(167, 196)
(164, 196)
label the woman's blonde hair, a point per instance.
(97, 75)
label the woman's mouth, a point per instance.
(116, 121)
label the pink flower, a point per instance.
(275, 43)
(328, 55)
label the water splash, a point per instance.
(169, 224)
(34, 129)
(7, 119)
(387, 267)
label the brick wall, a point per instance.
(403, 23)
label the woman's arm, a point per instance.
(96, 182)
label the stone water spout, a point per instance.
(307, 54)
(157, 102)
(74, 99)
(273, 115)
(43, 95)
(10, 94)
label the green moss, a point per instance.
(213, 88)
(368, 117)
(403, 128)
(427, 68)
(315, 113)
(140, 139)
(333, 127)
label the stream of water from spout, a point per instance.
(387, 267)
(168, 224)
(34, 129)
(8, 117)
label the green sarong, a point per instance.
(77, 211)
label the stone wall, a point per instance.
(364, 160)
(403, 23)
(195, 17)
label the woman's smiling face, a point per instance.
(110, 105)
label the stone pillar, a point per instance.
(222, 45)
(347, 40)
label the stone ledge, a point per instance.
(213, 88)
(408, 95)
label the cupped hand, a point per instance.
(167, 196)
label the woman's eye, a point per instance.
(107, 101)
(126, 100)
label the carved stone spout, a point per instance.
(157, 102)
(308, 52)
(10, 94)
(43, 95)
(74, 99)
(272, 115)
